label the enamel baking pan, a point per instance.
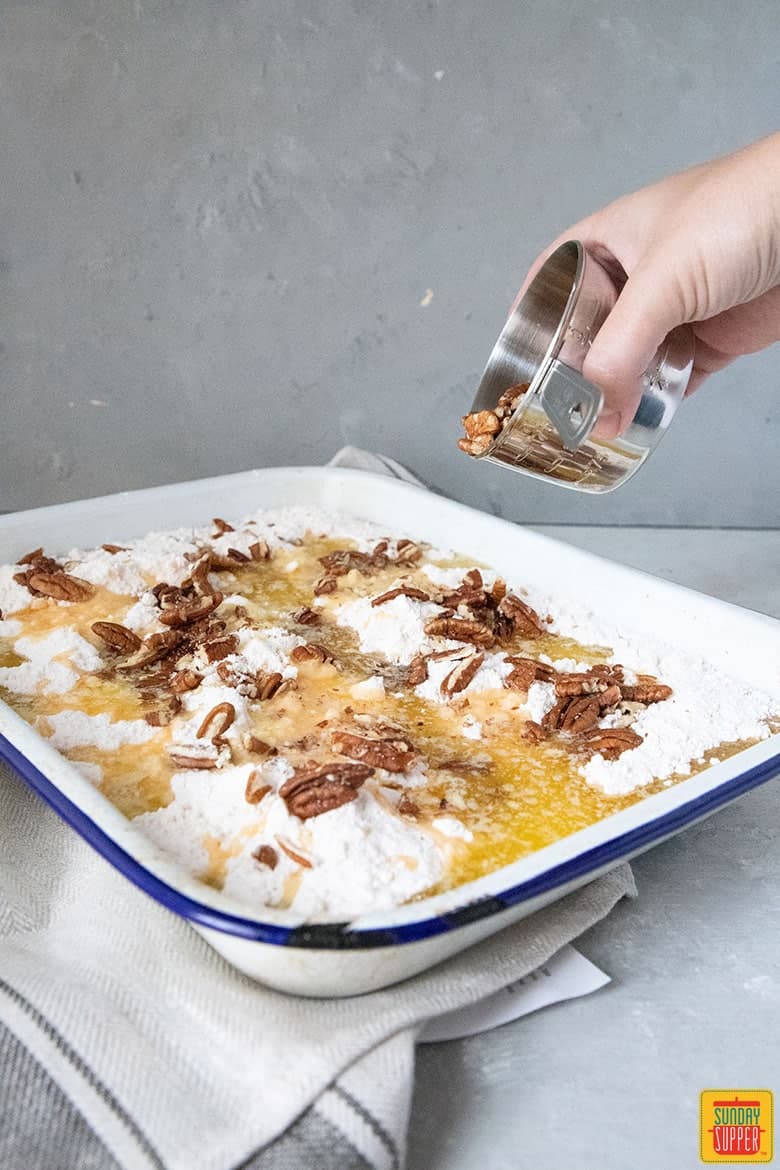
(379, 949)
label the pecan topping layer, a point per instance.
(117, 637)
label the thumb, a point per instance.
(648, 307)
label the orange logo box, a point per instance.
(736, 1125)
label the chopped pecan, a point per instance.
(259, 550)
(416, 671)
(256, 787)
(191, 756)
(185, 613)
(610, 742)
(117, 637)
(481, 427)
(460, 630)
(326, 584)
(216, 723)
(184, 680)
(392, 753)
(524, 619)
(317, 788)
(218, 648)
(258, 747)
(306, 616)
(311, 652)
(266, 855)
(162, 716)
(401, 591)
(407, 552)
(294, 854)
(269, 683)
(154, 648)
(508, 399)
(461, 675)
(221, 527)
(59, 585)
(113, 549)
(646, 692)
(407, 807)
(533, 731)
(31, 557)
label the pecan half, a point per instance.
(392, 753)
(591, 682)
(580, 714)
(524, 619)
(417, 671)
(646, 692)
(117, 637)
(113, 549)
(318, 788)
(610, 742)
(401, 591)
(60, 586)
(461, 675)
(31, 557)
(216, 723)
(521, 676)
(266, 855)
(460, 630)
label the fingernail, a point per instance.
(608, 425)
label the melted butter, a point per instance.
(515, 797)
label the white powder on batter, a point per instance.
(73, 729)
(395, 629)
(364, 858)
(489, 677)
(53, 663)
(13, 596)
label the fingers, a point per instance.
(646, 310)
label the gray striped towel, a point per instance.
(127, 1042)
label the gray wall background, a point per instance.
(218, 221)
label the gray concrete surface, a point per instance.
(219, 223)
(612, 1081)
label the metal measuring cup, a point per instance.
(544, 343)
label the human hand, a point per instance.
(700, 247)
